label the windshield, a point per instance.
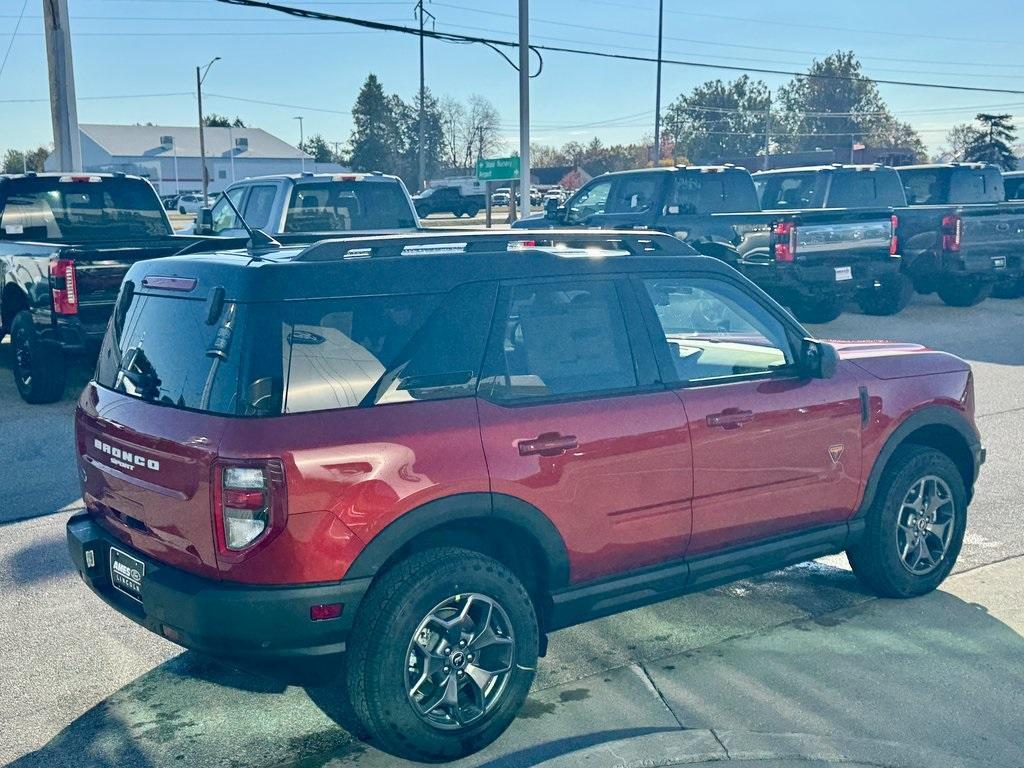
(340, 206)
(66, 209)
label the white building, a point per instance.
(169, 155)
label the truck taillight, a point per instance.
(894, 239)
(248, 504)
(64, 287)
(952, 231)
(784, 239)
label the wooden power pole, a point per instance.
(67, 144)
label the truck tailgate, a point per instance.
(992, 236)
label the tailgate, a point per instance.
(992, 238)
(150, 489)
(843, 243)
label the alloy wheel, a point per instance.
(459, 661)
(924, 528)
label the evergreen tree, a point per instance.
(375, 134)
(317, 146)
(991, 142)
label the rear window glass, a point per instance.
(291, 357)
(340, 206)
(1014, 187)
(925, 186)
(111, 209)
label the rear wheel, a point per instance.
(821, 310)
(443, 655)
(39, 370)
(966, 293)
(889, 297)
(915, 526)
(472, 211)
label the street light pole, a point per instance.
(200, 76)
(67, 143)
(524, 109)
(656, 152)
(302, 140)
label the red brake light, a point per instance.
(248, 505)
(952, 231)
(894, 240)
(784, 239)
(64, 287)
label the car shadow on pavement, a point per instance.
(43, 559)
(933, 673)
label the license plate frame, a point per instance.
(843, 274)
(127, 578)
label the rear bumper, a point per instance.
(214, 617)
(788, 281)
(74, 334)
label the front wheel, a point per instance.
(39, 368)
(443, 655)
(915, 527)
(964, 294)
(889, 297)
(820, 310)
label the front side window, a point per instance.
(560, 339)
(590, 201)
(224, 217)
(634, 194)
(713, 330)
(258, 206)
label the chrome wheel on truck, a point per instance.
(460, 659)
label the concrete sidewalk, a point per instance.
(937, 681)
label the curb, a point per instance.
(712, 747)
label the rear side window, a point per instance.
(976, 185)
(788, 191)
(925, 186)
(1014, 187)
(559, 339)
(698, 193)
(339, 206)
(265, 359)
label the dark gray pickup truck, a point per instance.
(66, 240)
(959, 238)
(813, 261)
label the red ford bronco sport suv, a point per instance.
(430, 451)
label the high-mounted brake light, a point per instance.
(80, 179)
(952, 231)
(248, 504)
(784, 238)
(894, 239)
(64, 287)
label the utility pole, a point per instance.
(421, 150)
(302, 140)
(656, 152)
(67, 144)
(200, 76)
(524, 108)
(767, 131)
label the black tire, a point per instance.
(380, 647)
(471, 211)
(876, 558)
(890, 297)
(39, 368)
(1008, 288)
(823, 310)
(964, 294)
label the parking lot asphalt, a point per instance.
(802, 651)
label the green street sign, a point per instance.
(497, 168)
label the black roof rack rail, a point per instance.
(634, 242)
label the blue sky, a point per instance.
(132, 49)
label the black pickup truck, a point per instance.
(66, 240)
(959, 238)
(813, 261)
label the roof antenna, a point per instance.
(257, 237)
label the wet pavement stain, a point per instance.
(576, 694)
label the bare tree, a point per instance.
(480, 130)
(960, 136)
(453, 118)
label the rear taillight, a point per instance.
(894, 240)
(248, 503)
(952, 231)
(784, 239)
(64, 287)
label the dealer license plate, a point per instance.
(844, 273)
(126, 573)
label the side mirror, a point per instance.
(551, 208)
(204, 221)
(818, 359)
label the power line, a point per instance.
(457, 38)
(14, 34)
